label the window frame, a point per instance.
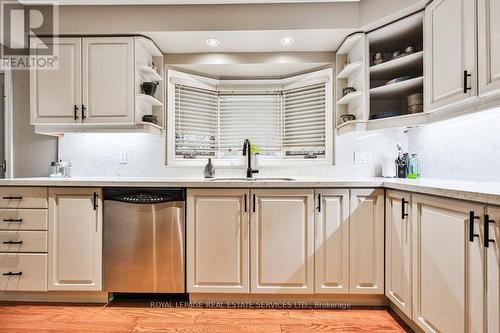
(175, 77)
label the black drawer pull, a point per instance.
(13, 220)
(13, 242)
(466, 88)
(319, 203)
(12, 274)
(245, 199)
(253, 203)
(403, 213)
(487, 222)
(12, 198)
(75, 112)
(472, 217)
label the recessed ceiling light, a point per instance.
(213, 42)
(287, 41)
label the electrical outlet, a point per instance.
(361, 157)
(123, 157)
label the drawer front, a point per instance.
(23, 197)
(23, 272)
(23, 219)
(23, 241)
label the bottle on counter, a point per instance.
(209, 171)
(413, 167)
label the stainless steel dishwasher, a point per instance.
(144, 233)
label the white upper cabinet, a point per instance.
(108, 80)
(398, 250)
(332, 241)
(448, 265)
(489, 46)
(366, 235)
(450, 52)
(217, 240)
(282, 241)
(56, 93)
(492, 247)
(75, 241)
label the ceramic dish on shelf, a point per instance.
(348, 90)
(386, 115)
(399, 79)
(347, 117)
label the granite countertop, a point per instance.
(484, 192)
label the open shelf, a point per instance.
(397, 90)
(408, 64)
(349, 98)
(149, 74)
(150, 100)
(349, 69)
(398, 121)
(349, 43)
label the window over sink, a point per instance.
(286, 120)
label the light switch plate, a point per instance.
(123, 157)
(362, 157)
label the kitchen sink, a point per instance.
(270, 179)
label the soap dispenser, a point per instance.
(209, 169)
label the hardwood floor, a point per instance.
(15, 317)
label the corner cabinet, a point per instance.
(282, 241)
(450, 52)
(489, 46)
(398, 232)
(218, 240)
(75, 241)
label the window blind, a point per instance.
(255, 116)
(304, 131)
(195, 121)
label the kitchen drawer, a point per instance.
(23, 241)
(23, 219)
(23, 197)
(23, 272)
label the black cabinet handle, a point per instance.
(12, 242)
(83, 112)
(246, 208)
(472, 217)
(403, 213)
(11, 273)
(75, 112)
(487, 222)
(466, 75)
(319, 203)
(13, 220)
(253, 203)
(95, 201)
(12, 198)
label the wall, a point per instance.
(99, 155)
(466, 148)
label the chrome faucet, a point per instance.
(247, 152)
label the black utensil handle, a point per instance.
(12, 273)
(12, 198)
(487, 222)
(245, 199)
(466, 75)
(403, 213)
(319, 203)
(13, 220)
(95, 201)
(13, 242)
(472, 217)
(75, 112)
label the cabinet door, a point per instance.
(75, 241)
(366, 244)
(217, 240)
(448, 268)
(56, 93)
(332, 242)
(489, 46)
(108, 80)
(450, 49)
(398, 250)
(493, 271)
(282, 241)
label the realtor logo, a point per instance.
(24, 25)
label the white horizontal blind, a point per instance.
(195, 122)
(304, 131)
(255, 116)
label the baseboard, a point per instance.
(320, 301)
(55, 296)
(405, 318)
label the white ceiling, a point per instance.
(179, 2)
(249, 41)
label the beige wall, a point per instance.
(32, 152)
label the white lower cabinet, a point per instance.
(398, 250)
(218, 240)
(75, 241)
(492, 249)
(448, 270)
(366, 241)
(332, 241)
(282, 241)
